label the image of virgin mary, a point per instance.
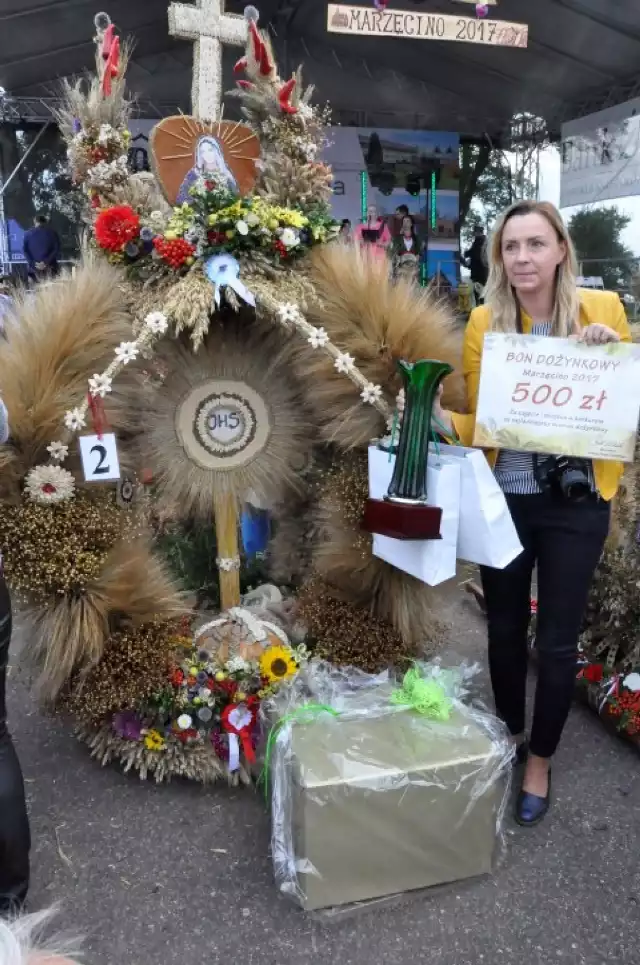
(209, 162)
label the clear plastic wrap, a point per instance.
(380, 787)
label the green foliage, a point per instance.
(488, 185)
(42, 185)
(596, 233)
(190, 549)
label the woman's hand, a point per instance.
(598, 335)
(443, 416)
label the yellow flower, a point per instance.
(193, 671)
(230, 233)
(277, 664)
(240, 696)
(154, 741)
(189, 261)
(273, 223)
(221, 675)
(170, 235)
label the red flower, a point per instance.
(280, 248)
(210, 185)
(116, 226)
(177, 678)
(175, 253)
(215, 237)
(594, 673)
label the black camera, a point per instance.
(564, 477)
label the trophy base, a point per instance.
(402, 520)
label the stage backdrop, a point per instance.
(400, 167)
(601, 156)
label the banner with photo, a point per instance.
(601, 156)
(388, 168)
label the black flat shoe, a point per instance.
(531, 809)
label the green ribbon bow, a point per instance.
(305, 713)
(427, 697)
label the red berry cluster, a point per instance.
(280, 248)
(175, 252)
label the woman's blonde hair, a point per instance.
(500, 296)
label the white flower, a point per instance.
(204, 694)
(58, 451)
(184, 721)
(157, 323)
(289, 238)
(252, 219)
(400, 401)
(242, 227)
(74, 419)
(237, 665)
(344, 363)
(371, 393)
(49, 484)
(318, 338)
(288, 313)
(106, 132)
(100, 385)
(632, 682)
(126, 352)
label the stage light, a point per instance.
(413, 184)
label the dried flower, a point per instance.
(75, 419)
(100, 385)
(157, 323)
(58, 451)
(344, 363)
(288, 314)
(49, 484)
(126, 352)
(371, 393)
(318, 338)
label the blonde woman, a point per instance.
(561, 510)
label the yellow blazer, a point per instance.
(604, 308)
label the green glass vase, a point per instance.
(421, 380)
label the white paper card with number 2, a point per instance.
(99, 456)
(558, 396)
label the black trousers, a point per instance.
(565, 540)
(15, 839)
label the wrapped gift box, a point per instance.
(375, 806)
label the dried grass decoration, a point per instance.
(226, 421)
(376, 321)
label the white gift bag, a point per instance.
(431, 560)
(486, 534)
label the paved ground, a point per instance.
(170, 875)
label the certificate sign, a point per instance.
(414, 25)
(559, 396)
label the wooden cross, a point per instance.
(210, 27)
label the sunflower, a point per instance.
(154, 741)
(277, 664)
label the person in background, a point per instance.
(560, 506)
(42, 250)
(476, 259)
(15, 840)
(406, 252)
(345, 230)
(374, 232)
(401, 212)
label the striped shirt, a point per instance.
(514, 470)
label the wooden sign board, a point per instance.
(185, 149)
(367, 22)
